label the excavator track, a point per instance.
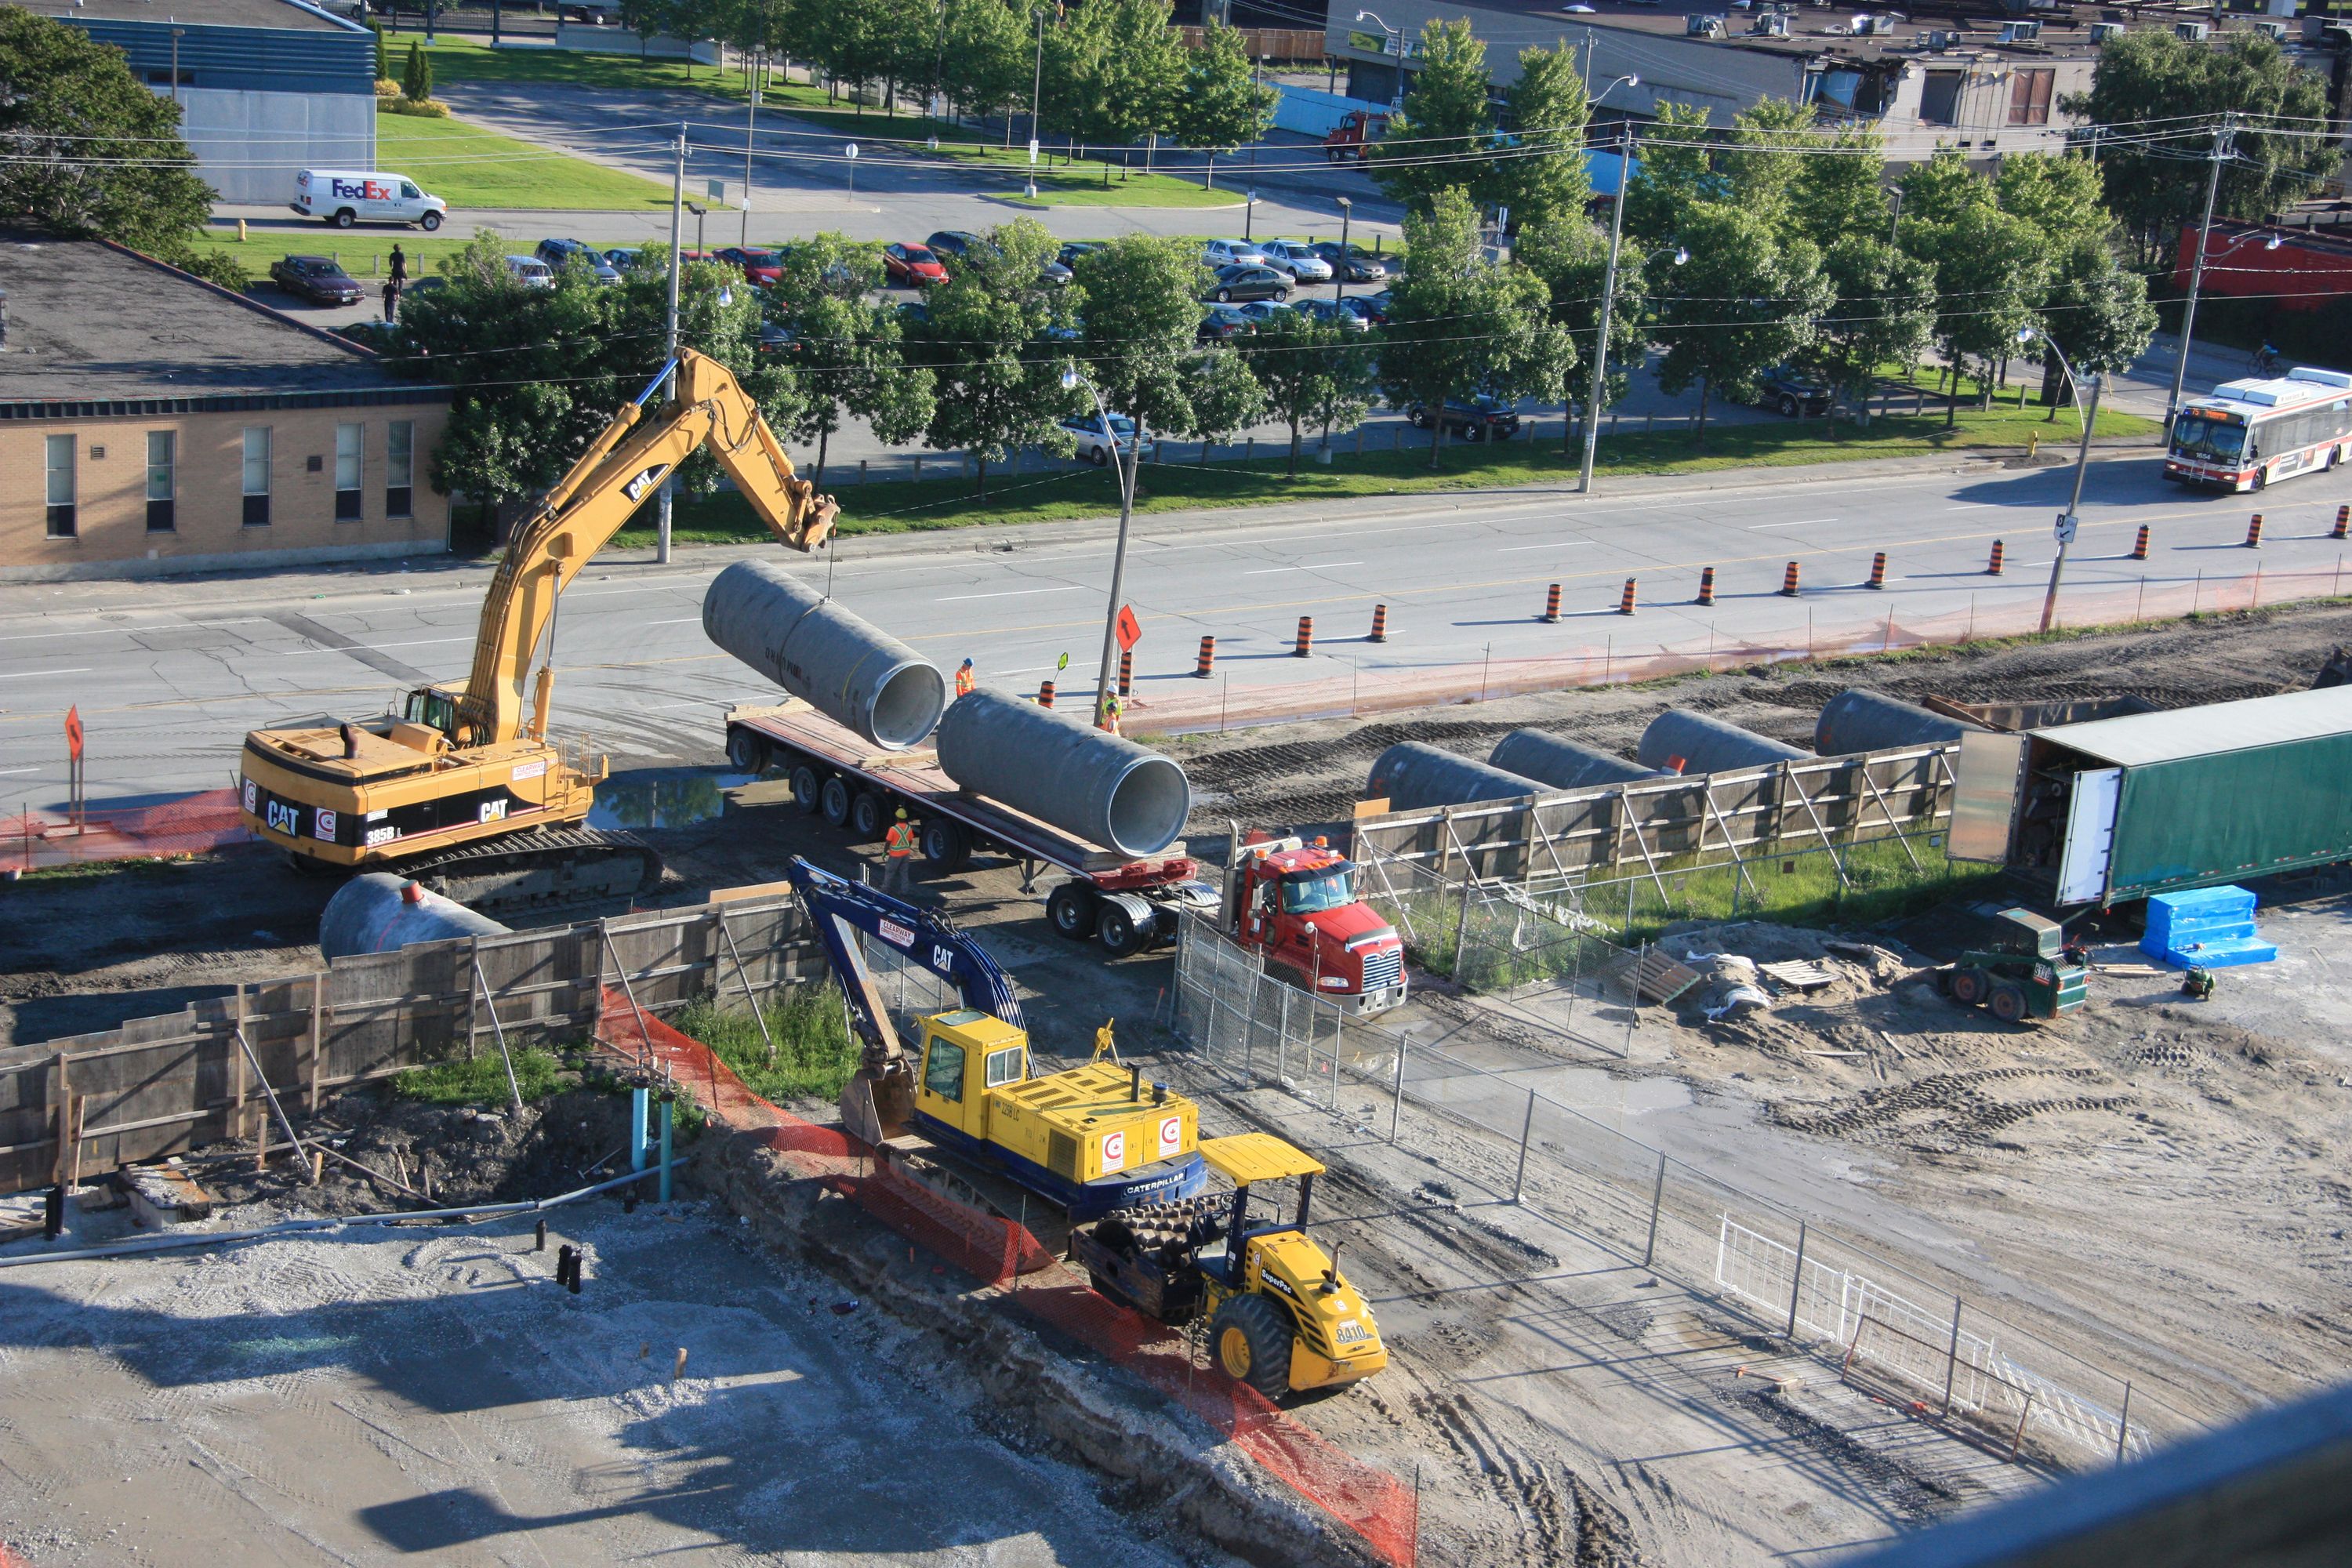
(544, 870)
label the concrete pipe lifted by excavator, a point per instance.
(463, 790)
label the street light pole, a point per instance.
(1105, 681)
(1036, 92)
(750, 123)
(1608, 308)
(2221, 152)
(1340, 270)
(2069, 520)
(178, 32)
(1249, 219)
(676, 234)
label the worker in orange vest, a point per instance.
(1111, 710)
(965, 679)
(898, 855)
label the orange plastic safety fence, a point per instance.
(1370, 1502)
(206, 820)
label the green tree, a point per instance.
(1765, 166)
(988, 59)
(848, 355)
(416, 78)
(1459, 325)
(62, 96)
(1841, 190)
(1223, 106)
(1144, 85)
(2058, 194)
(851, 43)
(1311, 368)
(2099, 315)
(1541, 175)
(1992, 269)
(996, 391)
(1571, 254)
(913, 40)
(1446, 127)
(1884, 310)
(1672, 174)
(383, 55)
(1745, 302)
(1137, 295)
(1223, 396)
(1935, 192)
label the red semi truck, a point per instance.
(1295, 902)
(1361, 128)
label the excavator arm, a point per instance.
(588, 506)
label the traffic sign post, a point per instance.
(73, 762)
(2064, 531)
(1130, 630)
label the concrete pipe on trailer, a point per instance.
(1564, 764)
(379, 912)
(1059, 768)
(1707, 745)
(1859, 721)
(851, 671)
(1413, 776)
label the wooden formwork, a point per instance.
(90, 1104)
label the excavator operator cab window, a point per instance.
(1003, 1066)
(433, 709)
(943, 1069)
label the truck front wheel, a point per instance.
(1071, 910)
(1125, 925)
(746, 752)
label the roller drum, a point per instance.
(379, 912)
(851, 671)
(1056, 767)
(1415, 776)
(1709, 745)
(1859, 721)
(1564, 764)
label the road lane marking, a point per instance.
(1015, 593)
(1556, 544)
(129, 631)
(30, 674)
(1302, 567)
(1802, 522)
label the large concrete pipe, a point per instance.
(1414, 776)
(1564, 764)
(1859, 721)
(852, 672)
(1707, 745)
(1061, 770)
(382, 913)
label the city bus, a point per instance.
(2249, 433)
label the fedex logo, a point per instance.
(362, 190)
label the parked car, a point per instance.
(1095, 444)
(417, 289)
(531, 272)
(914, 314)
(1791, 391)
(1335, 310)
(1374, 307)
(1296, 257)
(1222, 324)
(1056, 275)
(956, 243)
(760, 267)
(1075, 249)
(621, 257)
(911, 266)
(556, 253)
(346, 196)
(1354, 263)
(1223, 253)
(1263, 312)
(778, 339)
(1237, 283)
(316, 279)
(1479, 418)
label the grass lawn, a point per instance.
(363, 252)
(481, 1079)
(905, 506)
(814, 1053)
(469, 167)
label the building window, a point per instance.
(1939, 98)
(348, 508)
(256, 475)
(59, 459)
(2029, 97)
(399, 467)
(162, 473)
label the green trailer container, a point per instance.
(2113, 810)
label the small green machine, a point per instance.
(2022, 971)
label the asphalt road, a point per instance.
(169, 676)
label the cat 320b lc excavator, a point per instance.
(462, 789)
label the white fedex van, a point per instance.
(344, 196)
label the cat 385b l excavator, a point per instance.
(462, 789)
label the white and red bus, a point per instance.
(2251, 432)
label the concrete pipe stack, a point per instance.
(1413, 776)
(379, 912)
(1859, 721)
(1564, 764)
(849, 670)
(1705, 745)
(1059, 768)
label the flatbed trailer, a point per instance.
(1129, 905)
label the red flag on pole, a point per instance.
(1130, 630)
(73, 732)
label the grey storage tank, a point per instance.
(379, 912)
(1564, 764)
(851, 671)
(1709, 745)
(1414, 776)
(1059, 768)
(1859, 721)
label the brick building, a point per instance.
(151, 423)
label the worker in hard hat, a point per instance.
(1112, 709)
(898, 855)
(965, 679)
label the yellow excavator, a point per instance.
(462, 789)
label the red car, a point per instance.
(911, 266)
(760, 266)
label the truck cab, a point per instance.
(1356, 130)
(1295, 902)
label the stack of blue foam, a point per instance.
(2205, 928)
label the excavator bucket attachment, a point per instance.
(877, 1102)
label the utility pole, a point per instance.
(750, 123)
(676, 236)
(2221, 152)
(2068, 523)
(1608, 308)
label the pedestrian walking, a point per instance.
(965, 679)
(391, 298)
(399, 273)
(898, 856)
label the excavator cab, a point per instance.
(436, 707)
(966, 1053)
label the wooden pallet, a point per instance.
(1798, 974)
(1661, 977)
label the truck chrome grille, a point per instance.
(1382, 970)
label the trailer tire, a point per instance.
(1070, 909)
(806, 786)
(869, 813)
(833, 799)
(946, 845)
(1251, 1340)
(1969, 986)
(1124, 924)
(746, 752)
(2007, 1002)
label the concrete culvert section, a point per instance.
(1681, 740)
(1563, 763)
(816, 648)
(1413, 776)
(1859, 721)
(1059, 768)
(380, 912)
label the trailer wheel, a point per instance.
(1071, 908)
(2008, 1003)
(746, 752)
(833, 801)
(868, 815)
(1252, 1343)
(1969, 986)
(945, 844)
(805, 787)
(1124, 925)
